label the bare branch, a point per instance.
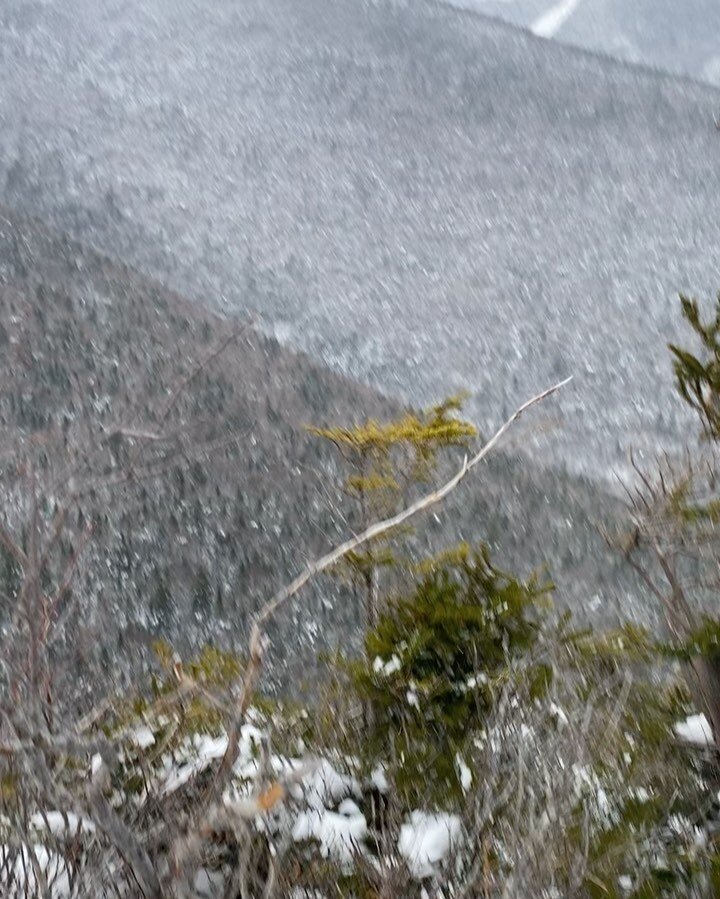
(67, 577)
(327, 561)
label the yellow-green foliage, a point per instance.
(8, 790)
(649, 780)
(212, 667)
(703, 641)
(427, 431)
(193, 697)
(386, 456)
(386, 460)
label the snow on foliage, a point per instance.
(143, 738)
(464, 773)
(387, 668)
(207, 750)
(325, 786)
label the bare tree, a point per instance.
(672, 545)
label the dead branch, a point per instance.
(283, 596)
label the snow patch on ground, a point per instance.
(427, 839)
(20, 867)
(340, 833)
(62, 824)
(696, 730)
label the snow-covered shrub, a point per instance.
(564, 774)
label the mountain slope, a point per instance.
(677, 37)
(422, 198)
(189, 551)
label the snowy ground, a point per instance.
(315, 803)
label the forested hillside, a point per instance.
(424, 199)
(243, 496)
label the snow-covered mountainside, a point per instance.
(422, 198)
(681, 37)
(258, 497)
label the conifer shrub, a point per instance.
(428, 665)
